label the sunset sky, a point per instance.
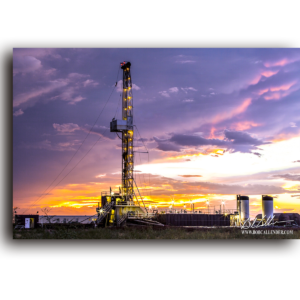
(216, 122)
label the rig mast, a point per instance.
(118, 208)
(125, 126)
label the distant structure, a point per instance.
(125, 127)
(119, 207)
(242, 205)
(267, 207)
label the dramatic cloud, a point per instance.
(48, 145)
(257, 154)
(170, 91)
(167, 147)
(51, 86)
(190, 176)
(235, 141)
(185, 61)
(18, 113)
(90, 82)
(100, 175)
(170, 186)
(194, 140)
(228, 114)
(282, 62)
(188, 89)
(67, 89)
(197, 103)
(64, 128)
(25, 64)
(291, 177)
(173, 90)
(243, 138)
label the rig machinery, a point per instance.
(117, 208)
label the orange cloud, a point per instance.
(184, 156)
(240, 126)
(284, 87)
(256, 80)
(285, 136)
(269, 73)
(278, 63)
(261, 92)
(190, 176)
(212, 133)
(274, 96)
(207, 151)
(236, 111)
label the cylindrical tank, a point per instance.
(243, 207)
(267, 207)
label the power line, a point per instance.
(41, 197)
(148, 157)
(43, 194)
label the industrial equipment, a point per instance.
(242, 204)
(119, 207)
(267, 207)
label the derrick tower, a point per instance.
(118, 207)
(125, 126)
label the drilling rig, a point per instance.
(119, 207)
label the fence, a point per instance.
(138, 215)
(205, 212)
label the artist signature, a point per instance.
(269, 222)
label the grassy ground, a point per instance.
(153, 233)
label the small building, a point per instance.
(66, 219)
(29, 221)
(33, 221)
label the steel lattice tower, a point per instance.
(125, 126)
(127, 135)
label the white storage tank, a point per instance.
(243, 207)
(267, 207)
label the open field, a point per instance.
(157, 233)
